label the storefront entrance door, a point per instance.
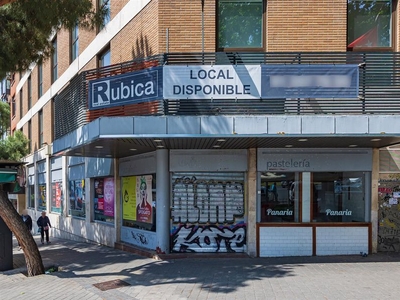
(389, 213)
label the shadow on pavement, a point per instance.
(80, 260)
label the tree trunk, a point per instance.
(4, 2)
(13, 220)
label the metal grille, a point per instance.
(70, 107)
(204, 198)
(379, 91)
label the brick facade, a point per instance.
(139, 38)
(308, 25)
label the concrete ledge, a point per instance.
(153, 254)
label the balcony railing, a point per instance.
(379, 88)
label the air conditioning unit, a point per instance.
(47, 149)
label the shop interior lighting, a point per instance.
(133, 149)
(375, 140)
(157, 141)
(99, 147)
(289, 146)
(353, 146)
(216, 146)
(221, 140)
(160, 146)
(302, 140)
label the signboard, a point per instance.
(265, 81)
(309, 81)
(217, 82)
(130, 88)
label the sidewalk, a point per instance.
(83, 265)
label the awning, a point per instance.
(8, 176)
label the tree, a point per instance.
(26, 25)
(25, 28)
(14, 148)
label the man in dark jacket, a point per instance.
(44, 224)
(27, 220)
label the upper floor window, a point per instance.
(21, 99)
(74, 43)
(54, 62)
(13, 107)
(369, 24)
(41, 139)
(30, 135)
(29, 92)
(106, 5)
(40, 80)
(240, 24)
(104, 58)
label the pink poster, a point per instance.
(109, 197)
(58, 195)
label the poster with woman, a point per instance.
(144, 198)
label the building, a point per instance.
(216, 126)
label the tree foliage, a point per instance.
(11, 147)
(14, 147)
(27, 25)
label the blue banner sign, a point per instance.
(130, 88)
(309, 81)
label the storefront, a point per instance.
(388, 199)
(138, 196)
(207, 201)
(314, 202)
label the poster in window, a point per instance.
(56, 194)
(99, 195)
(109, 197)
(129, 198)
(72, 194)
(79, 193)
(144, 198)
(42, 195)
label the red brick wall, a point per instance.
(139, 38)
(308, 25)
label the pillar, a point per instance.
(251, 199)
(374, 199)
(162, 200)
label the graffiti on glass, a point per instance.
(206, 201)
(192, 238)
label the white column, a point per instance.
(375, 199)
(306, 197)
(251, 196)
(163, 200)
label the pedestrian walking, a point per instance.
(44, 225)
(26, 218)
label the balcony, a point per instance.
(378, 89)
